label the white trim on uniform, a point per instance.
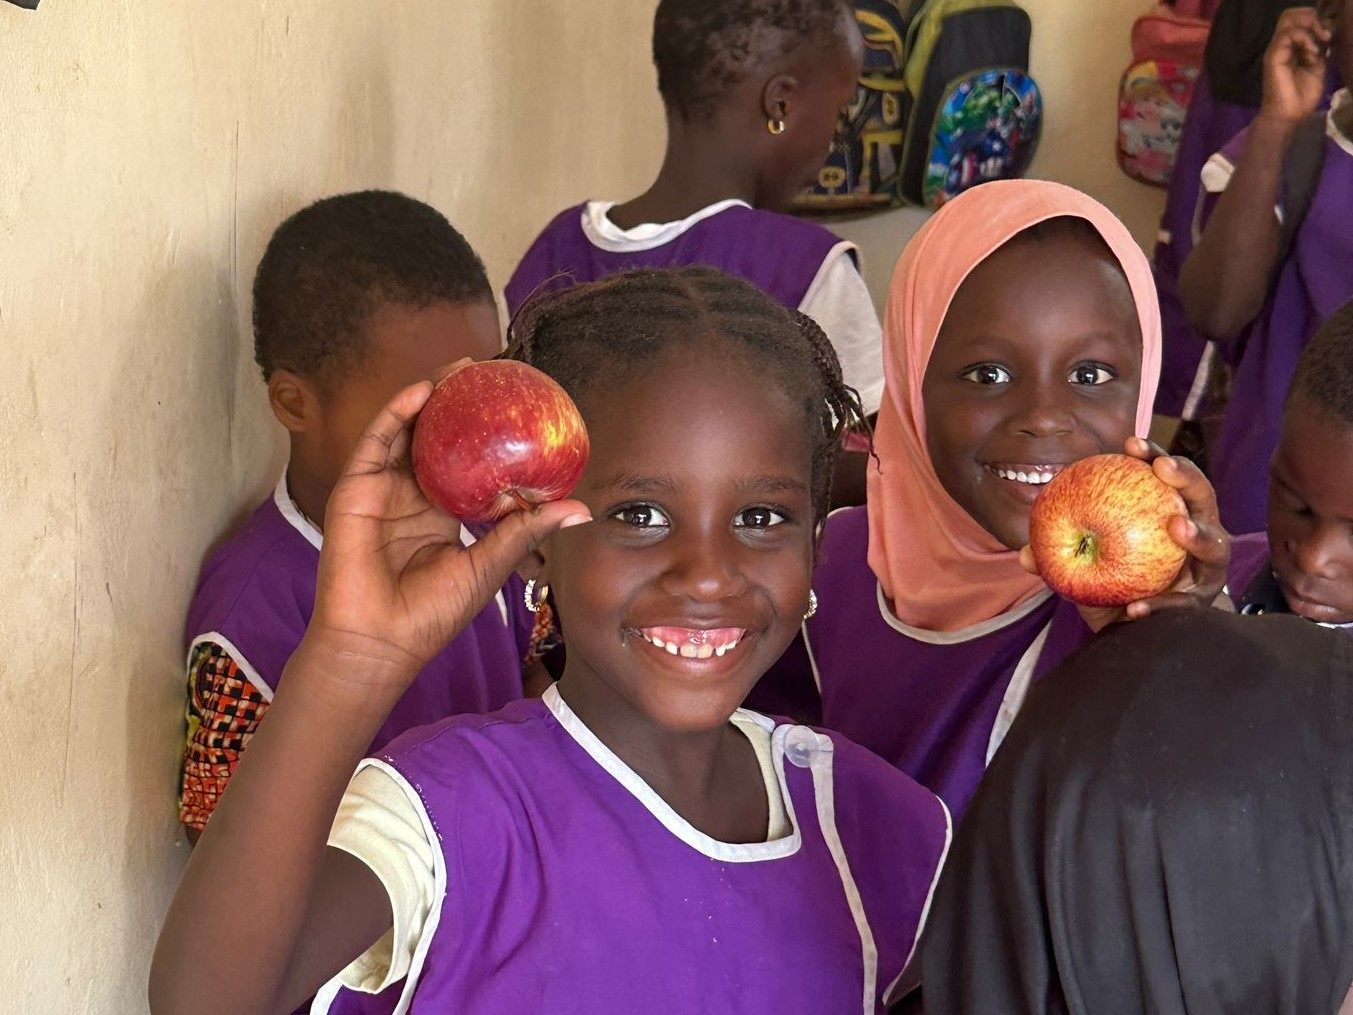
(601, 232)
(730, 852)
(238, 657)
(888, 995)
(963, 634)
(1016, 691)
(325, 997)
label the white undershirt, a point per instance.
(838, 300)
(379, 825)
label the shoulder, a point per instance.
(519, 725)
(800, 231)
(539, 260)
(845, 539)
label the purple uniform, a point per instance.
(256, 594)
(779, 254)
(935, 704)
(567, 885)
(1314, 282)
(1249, 558)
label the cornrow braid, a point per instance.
(603, 332)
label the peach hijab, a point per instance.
(940, 569)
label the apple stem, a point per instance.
(520, 501)
(1086, 546)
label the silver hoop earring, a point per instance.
(535, 605)
(812, 604)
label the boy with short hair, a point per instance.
(357, 297)
(1304, 563)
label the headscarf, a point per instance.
(940, 569)
(1168, 828)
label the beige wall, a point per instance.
(146, 151)
(1080, 48)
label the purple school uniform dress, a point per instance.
(1249, 558)
(780, 254)
(935, 704)
(1314, 282)
(569, 886)
(256, 594)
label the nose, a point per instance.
(1317, 552)
(1043, 411)
(704, 566)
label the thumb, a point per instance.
(1026, 560)
(518, 536)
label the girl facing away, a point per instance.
(633, 841)
(1021, 335)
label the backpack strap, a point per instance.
(1302, 167)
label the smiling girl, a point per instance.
(633, 841)
(1021, 335)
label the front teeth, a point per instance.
(1037, 478)
(688, 651)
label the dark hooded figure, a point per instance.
(1167, 829)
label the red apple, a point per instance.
(497, 436)
(1098, 532)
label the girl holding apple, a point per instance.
(1021, 334)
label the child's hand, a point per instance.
(1208, 545)
(1294, 66)
(395, 583)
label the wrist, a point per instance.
(1275, 124)
(351, 673)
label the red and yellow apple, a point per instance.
(1099, 532)
(497, 436)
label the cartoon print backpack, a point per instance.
(976, 113)
(1154, 95)
(862, 170)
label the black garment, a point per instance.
(1167, 829)
(1263, 595)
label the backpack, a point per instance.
(976, 113)
(861, 173)
(1156, 88)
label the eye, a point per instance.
(642, 516)
(987, 373)
(758, 518)
(1091, 374)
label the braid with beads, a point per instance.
(604, 331)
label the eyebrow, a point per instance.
(771, 484)
(635, 483)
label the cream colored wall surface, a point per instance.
(1079, 51)
(146, 152)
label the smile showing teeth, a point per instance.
(693, 643)
(1033, 475)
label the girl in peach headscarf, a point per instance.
(1022, 333)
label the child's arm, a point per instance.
(1225, 281)
(394, 586)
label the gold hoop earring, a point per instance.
(812, 605)
(533, 603)
(775, 126)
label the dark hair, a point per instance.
(702, 48)
(603, 331)
(1324, 376)
(1062, 227)
(332, 264)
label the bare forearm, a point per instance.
(1226, 278)
(274, 821)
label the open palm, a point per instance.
(395, 583)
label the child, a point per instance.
(357, 297)
(621, 844)
(1021, 335)
(753, 90)
(1167, 830)
(1255, 284)
(1304, 564)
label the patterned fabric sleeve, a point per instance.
(224, 709)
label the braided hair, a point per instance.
(604, 331)
(703, 48)
(1324, 377)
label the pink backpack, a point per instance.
(1167, 58)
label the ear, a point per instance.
(533, 567)
(295, 400)
(779, 96)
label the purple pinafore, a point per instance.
(1313, 283)
(935, 704)
(779, 254)
(569, 886)
(256, 594)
